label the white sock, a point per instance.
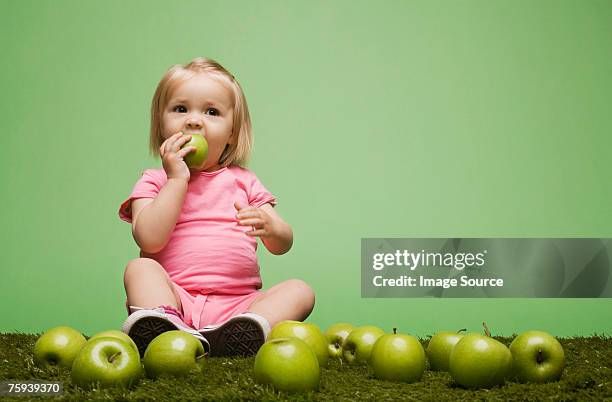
(261, 320)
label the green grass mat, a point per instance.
(587, 377)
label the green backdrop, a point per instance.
(371, 119)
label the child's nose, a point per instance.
(194, 123)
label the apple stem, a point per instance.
(462, 330)
(486, 329)
(394, 331)
(113, 357)
(540, 356)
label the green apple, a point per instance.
(479, 361)
(113, 333)
(398, 357)
(195, 159)
(309, 333)
(439, 349)
(107, 361)
(537, 357)
(174, 353)
(357, 347)
(58, 347)
(288, 364)
(336, 334)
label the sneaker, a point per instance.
(144, 325)
(241, 335)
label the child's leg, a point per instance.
(244, 333)
(147, 285)
(289, 300)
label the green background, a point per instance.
(371, 119)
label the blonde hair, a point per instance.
(236, 153)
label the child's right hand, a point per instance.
(172, 156)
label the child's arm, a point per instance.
(153, 220)
(274, 232)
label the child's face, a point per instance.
(201, 105)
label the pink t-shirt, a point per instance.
(208, 252)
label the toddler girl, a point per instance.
(197, 227)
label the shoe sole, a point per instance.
(148, 328)
(237, 337)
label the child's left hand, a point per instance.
(261, 221)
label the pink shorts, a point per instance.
(201, 310)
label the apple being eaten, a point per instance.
(440, 347)
(479, 361)
(173, 353)
(195, 159)
(309, 333)
(107, 361)
(336, 335)
(58, 347)
(537, 357)
(288, 364)
(359, 343)
(398, 357)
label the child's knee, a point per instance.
(305, 293)
(138, 267)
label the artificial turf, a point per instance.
(587, 377)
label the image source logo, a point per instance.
(480, 267)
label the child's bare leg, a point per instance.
(289, 300)
(147, 285)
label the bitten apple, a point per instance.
(195, 159)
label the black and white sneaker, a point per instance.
(146, 324)
(241, 335)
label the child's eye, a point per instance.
(212, 111)
(180, 109)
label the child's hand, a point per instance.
(172, 156)
(275, 233)
(262, 223)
